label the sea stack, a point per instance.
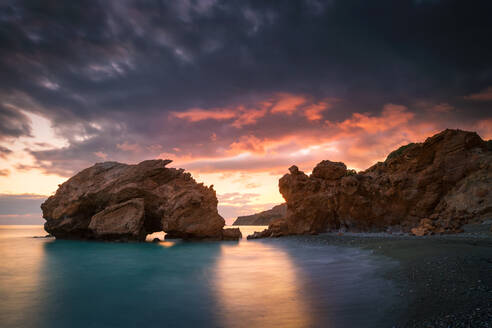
(115, 201)
(434, 187)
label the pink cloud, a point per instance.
(101, 155)
(248, 143)
(126, 146)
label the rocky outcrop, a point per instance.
(263, 218)
(423, 188)
(114, 201)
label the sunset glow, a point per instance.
(236, 115)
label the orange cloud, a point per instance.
(283, 103)
(484, 95)
(287, 103)
(248, 116)
(242, 115)
(313, 112)
(199, 114)
(359, 141)
(391, 117)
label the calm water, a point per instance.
(262, 283)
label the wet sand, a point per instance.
(444, 281)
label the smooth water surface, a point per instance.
(262, 283)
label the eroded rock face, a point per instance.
(431, 187)
(114, 201)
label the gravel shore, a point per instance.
(445, 281)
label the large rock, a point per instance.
(431, 187)
(262, 218)
(114, 201)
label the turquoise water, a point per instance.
(261, 283)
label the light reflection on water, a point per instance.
(265, 283)
(257, 283)
(19, 273)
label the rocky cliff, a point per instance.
(263, 218)
(423, 188)
(114, 201)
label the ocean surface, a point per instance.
(262, 283)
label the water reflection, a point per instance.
(97, 284)
(19, 273)
(257, 285)
(264, 283)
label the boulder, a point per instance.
(426, 227)
(433, 187)
(277, 228)
(115, 201)
(329, 170)
(231, 234)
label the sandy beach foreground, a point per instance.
(445, 281)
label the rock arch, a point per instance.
(115, 201)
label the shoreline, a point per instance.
(444, 280)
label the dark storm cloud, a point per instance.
(111, 72)
(13, 123)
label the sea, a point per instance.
(285, 282)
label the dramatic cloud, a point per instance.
(239, 88)
(13, 123)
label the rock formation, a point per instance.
(423, 188)
(263, 218)
(114, 201)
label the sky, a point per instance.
(233, 91)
